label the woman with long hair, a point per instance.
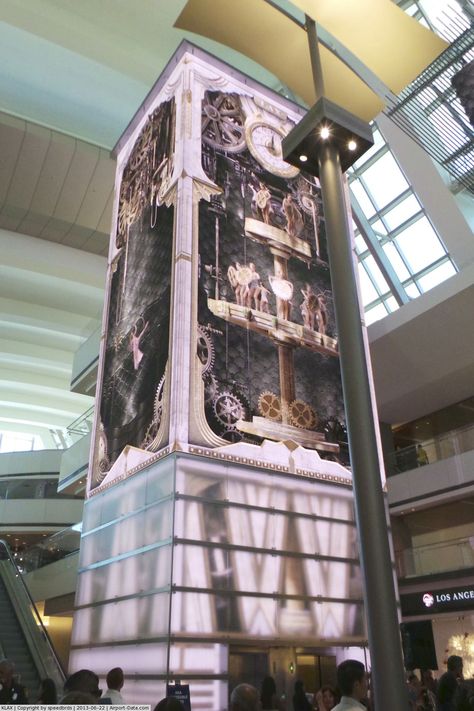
(326, 698)
(268, 695)
(300, 700)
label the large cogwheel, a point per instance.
(158, 403)
(228, 408)
(141, 147)
(154, 426)
(269, 405)
(223, 123)
(102, 458)
(302, 415)
(205, 349)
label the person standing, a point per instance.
(352, 683)
(421, 456)
(115, 681)
(300, 701)
(10, 691)
(448, 684)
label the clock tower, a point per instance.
(218, 526)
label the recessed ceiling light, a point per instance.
(352, 145)
(324, 132)
(303, 158)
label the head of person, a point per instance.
(85, 681)
(427, 678)
(73, 698)
(329, 696)
(455, 664)
(244, 698)
(352, 679)
(7, 670)
(115, 679)
(170, 703)
(47, 692)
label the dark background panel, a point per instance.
(246, 363)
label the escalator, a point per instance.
(23, 638)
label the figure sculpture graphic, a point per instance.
(251, 289)
(135, 339)
(313, 310)
(283, 290)
(294, 220)
(262, 200)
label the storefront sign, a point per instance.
(454, 599)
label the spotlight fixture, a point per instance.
(303, 158)
(349, 135)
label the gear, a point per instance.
(302, 415)
(230, 434)
(308, 202)
(154, 426)
(158, 403)
(150, 434)
(205, 349)
(228, 408)
(130, 206)
(269, 405)
(223, 123)
(102, 459)
(141, 147)
(210, 388)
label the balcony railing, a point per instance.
(33, 488)
(443, 447)
(55, 547)
(457, 554)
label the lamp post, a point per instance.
(321, 141)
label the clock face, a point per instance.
(264, 142)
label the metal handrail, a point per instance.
(34, 608)
(75, 426)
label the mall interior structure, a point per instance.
(175, 479)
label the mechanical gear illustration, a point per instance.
(205, 349)
(228, 408)
(302, 415)
(223, 123)
(269, 405)
(154, 426)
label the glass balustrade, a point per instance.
(457, 554)
(51, 549)
(32, 488)
(432, 450)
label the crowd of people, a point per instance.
(424, 693)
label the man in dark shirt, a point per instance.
(10, 691)
(448, 684)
